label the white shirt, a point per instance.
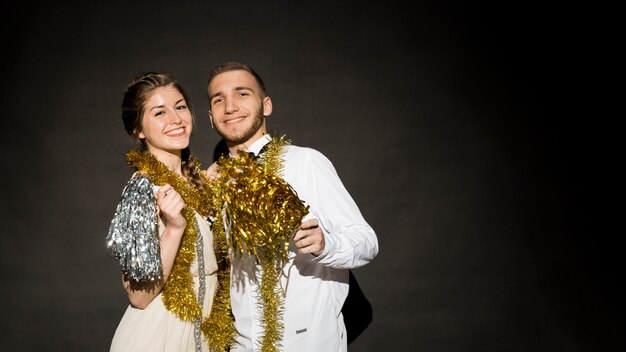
(315, 288)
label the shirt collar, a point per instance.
(260, 143)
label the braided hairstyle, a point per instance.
(133, 108)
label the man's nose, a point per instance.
(231, 106)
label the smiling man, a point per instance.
(333, 237)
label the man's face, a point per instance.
(238, 109)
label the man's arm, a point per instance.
(348, 241)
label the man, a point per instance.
(332, 238)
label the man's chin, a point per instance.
(235, 138)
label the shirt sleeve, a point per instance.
(350, 242)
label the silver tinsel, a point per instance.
(197, 325)
(133, 238)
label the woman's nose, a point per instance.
(175, 118)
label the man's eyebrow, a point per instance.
(215, 94)
(244, 88)
(236, 88)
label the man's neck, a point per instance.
(234, 149)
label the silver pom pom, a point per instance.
(133, 238)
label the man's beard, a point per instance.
(247, 134)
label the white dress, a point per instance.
(156, 328)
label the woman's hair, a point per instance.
(133, 107)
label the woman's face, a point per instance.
(166, 124)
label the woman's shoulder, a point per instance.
(139, 182)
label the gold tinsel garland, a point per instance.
(178, 293)
(261, 214)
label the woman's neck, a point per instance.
(173, 161)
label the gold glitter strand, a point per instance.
(219, 328)
(178, 295)
(271, 304)
(272, 160)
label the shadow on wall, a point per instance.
(357, 310)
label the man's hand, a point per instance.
(310, 238)
(212, 172)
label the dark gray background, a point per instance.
(467, 132)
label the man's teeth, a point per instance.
(235, 120)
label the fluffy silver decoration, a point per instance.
(133, 238)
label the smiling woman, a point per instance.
(160, 234)
(167, 124)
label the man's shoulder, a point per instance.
(299, 149)
(304, 160)
(302, 153)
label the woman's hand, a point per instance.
(170, 205)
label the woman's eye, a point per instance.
(159, 113)
(181, 107)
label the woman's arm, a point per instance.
(169, 204)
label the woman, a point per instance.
(160, 234)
